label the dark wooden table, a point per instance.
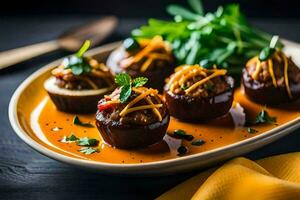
(26, 174)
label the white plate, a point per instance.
(179, 164)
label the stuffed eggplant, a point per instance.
(152, 59)
(132, 116)
(196, 93)
(78, 82)
(271, 78)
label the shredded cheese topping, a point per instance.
(280, 57)
(149, 53)
(144, 93)
(186, 72)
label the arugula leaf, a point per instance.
(183, 12)
(197, 6)
(88, 150)
(122, 79)
(78, 122)
(224, 37)
(198, 142)
(85, 141)
(69, 139)
(139, 81)
(126, 83)
(182, 134)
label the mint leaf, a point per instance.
(125, 93)
(77, 121)
(85, 141)
(139, 81)
(86, 45)
(88, 150)
(122, 79)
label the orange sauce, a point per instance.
(53, 125)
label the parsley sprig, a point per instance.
(126, 83)
(77, 62)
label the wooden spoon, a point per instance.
(71, 41)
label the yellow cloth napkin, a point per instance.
(275, 178)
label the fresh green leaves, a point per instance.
(126, 83)
(267, 52)
(88, 143)
(262, 117)
(85, 141)
(123, 79)
(88, 150)
(77, 63)
(78, 122)
(223, 37)
(183, 135)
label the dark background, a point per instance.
(141, 8)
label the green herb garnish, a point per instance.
(85, 141)
(69, 139)
(78, 122)
(126, 83)
(198, 142)
(77, 63)
(262, 117)
(267, 52)
(252, 130)
(223, 37)
(88, 150)
(182, 135)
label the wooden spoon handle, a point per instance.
(14, 56)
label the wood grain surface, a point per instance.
(26, 174)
